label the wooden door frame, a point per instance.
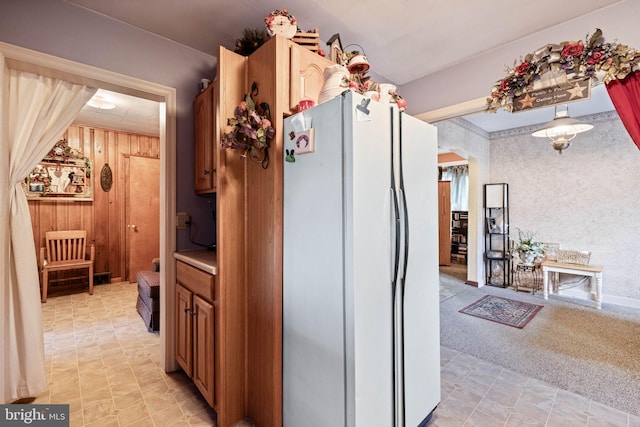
(18, 58)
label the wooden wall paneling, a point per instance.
(123, 148)
(102, 217)
(89, 209)
(230, 398)
(154, 150)
(36, 228)
(114, 228)
(269, 68)
(101, 205)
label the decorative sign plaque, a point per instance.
(576, 90)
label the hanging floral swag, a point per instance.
(594, 58)
(252, 131)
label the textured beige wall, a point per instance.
(587, 198)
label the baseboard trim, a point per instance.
(627, 302)
(610, 299)
(471, 283)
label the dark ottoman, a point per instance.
(148, 304)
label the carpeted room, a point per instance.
(567, 344)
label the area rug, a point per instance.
(503, 310)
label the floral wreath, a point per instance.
(252, 130)
(589, 59)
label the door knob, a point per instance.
(133, 227)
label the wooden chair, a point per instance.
(65, 250)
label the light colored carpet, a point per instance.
(594, 353)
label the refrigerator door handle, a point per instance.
(395, 236)
(403, 240)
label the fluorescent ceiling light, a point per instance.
(100, 102)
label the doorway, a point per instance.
(27, 60)
(453, 170)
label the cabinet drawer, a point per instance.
(196, 280)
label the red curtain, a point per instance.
(625, 96)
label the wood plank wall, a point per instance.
(104, 217)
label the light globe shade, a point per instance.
(562, 129)
(562, 125)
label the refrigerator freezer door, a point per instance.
(368, 258)
(421, 291)
(313, 290)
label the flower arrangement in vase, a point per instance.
(528, 247)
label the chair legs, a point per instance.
(45, 284)
(91, 280)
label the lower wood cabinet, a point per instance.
(195, 322)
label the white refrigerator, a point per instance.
(361, 335)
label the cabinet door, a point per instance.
(307, 75)
(184, 331)
(204, 150)
(444, 222)
(203, 341)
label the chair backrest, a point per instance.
(66, 245)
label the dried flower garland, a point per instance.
(594, 58)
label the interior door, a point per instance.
(142, 213)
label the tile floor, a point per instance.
(103, 363)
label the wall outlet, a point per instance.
(182, 220)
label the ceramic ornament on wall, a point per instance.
(106, 178)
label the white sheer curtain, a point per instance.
(36, 113)
(459, 176)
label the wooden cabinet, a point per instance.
(204, 148)
(444, 222)
(248, 346)
(306, 75)
(195, 333)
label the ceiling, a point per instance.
(390, 33)
(131, 114)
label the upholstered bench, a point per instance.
(148, 303)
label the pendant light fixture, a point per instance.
(562, 129)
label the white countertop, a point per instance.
(199, 258)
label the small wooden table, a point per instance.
(593, 271)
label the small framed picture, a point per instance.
(335, 49)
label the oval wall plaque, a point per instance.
(106, 177)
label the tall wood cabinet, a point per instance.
(204, 148)
(444, 222)
(249, 209)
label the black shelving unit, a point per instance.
(496, 235)
(459, 226)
